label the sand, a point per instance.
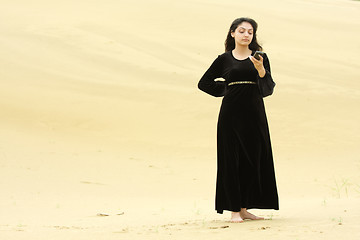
(106, 136)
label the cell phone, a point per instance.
(257, 54)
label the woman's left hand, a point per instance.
(259, 65)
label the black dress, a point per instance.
(245, 174)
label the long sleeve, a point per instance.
(208, 84)
(266, 83)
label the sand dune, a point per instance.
(100, 114)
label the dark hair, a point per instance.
(230, 41)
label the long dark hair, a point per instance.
(230, 41)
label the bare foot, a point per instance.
(235, 217)
(244, 214)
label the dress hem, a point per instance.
(251, 207)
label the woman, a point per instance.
(245, 175)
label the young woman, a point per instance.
(245, 175)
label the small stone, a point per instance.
(102, 215)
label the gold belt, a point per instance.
(241, 82)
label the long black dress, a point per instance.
(245, 175)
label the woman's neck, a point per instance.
(241, 52)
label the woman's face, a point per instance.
(243, 34)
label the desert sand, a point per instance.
(104, 134)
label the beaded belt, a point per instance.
(241, 82)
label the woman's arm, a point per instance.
(208, 84)
(265, 81)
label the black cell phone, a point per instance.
(257, 54)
